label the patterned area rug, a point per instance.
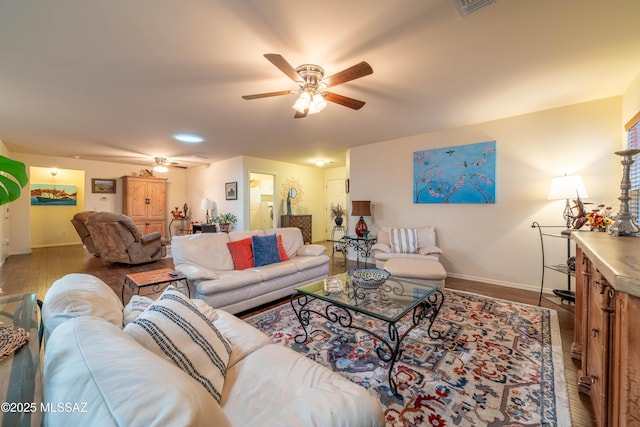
(500, 363)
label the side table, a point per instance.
(341, 231)
(203, 228)
(20, 373)
(154, 279)
(182, 229)
(361, 245)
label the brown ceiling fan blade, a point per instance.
(354, 72)
(283, 66)
(300, 115)
(267, 94)
(344, 100)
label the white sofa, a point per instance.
(102, 376)
(207, 263)
(426, 246)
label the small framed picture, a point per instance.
(231, 191)
(99, 185)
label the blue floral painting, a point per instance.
(460, 174)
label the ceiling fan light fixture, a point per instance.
(303, 102)
(161, 165)
(318, 103)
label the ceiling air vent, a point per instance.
(467, 7)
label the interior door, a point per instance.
(261, 195)
(335, 194)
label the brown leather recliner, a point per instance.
(79, 222)
(118, 239)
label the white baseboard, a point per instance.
(531, 288)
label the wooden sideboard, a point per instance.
(607, 339)
(303, 222)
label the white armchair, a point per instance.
(383, 250)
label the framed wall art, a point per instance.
(99, 185)
(231, 191)
(53, 195)
(459, 174)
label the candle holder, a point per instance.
(624, 224)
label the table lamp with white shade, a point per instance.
(567, 187)
(207, 205)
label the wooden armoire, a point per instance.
(145, 201)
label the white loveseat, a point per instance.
(208, 264)
(426, 246)
(108, 378)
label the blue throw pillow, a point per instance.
(265, 250)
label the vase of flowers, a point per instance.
(601, 218)
(337, 212)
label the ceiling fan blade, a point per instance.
(268, 94)
(283, 66)
(354, 72)
(344, 100)
(300, 115)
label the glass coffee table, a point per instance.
(390, 303)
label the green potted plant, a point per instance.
(17, 178)
(337, 212)
(226, 221)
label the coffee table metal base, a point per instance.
(388, 349)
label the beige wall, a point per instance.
(22, 227)
(50, 225)
(631, 102)
(495, 242)
(208, 181)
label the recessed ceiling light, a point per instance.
(188, 138)
(320, 163)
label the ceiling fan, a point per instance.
(312, 84)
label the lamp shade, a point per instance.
(361, 208)
(567, 187)
(206, 204)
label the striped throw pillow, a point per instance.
(174, 329)
(403, 240)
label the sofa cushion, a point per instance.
(242, 253)
(137, 304)
(242, 234)
(291, 238)
(203, 249)
(265, 250)
(281, 250)
(404, 240)
(89, 360)
(296, 387)
(244, 338)
(208, 311)
(78, 294)
(174, 328)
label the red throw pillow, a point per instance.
(283, 253)
(242, 253)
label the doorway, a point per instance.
(261, 199)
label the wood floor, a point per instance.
(36, 272)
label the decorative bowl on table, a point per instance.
(369, 277)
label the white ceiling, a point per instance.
(113, 80)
